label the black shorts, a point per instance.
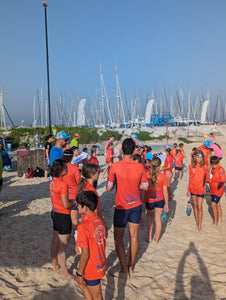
(1, 181)
(61, 222)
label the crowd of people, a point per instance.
(143, 184)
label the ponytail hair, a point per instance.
(168, 150)
(88, 171)
(155, 163)
(67, 156)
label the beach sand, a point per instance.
(186, 264)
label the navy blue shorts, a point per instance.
(178, 168)
(157, 204)
(92, 282)
(215, 198)
(122, 216)
(61, 222)
(198, 195)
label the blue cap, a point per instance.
(62, 135)
(134, 136)
(207, 143)
(148, 155)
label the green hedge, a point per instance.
(87, 135)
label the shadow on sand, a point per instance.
(200, 283)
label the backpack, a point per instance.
(30, 173)
(39, 172)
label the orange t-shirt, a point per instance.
(156, 194)
(198, 176)
(109, 154)
(128, 175)
(94, 160)
(92, 235)
(182, 151)
(58, 188)
(84, 161)
(168, 161)
(173, 151)
(218, 177)
(90, 187)
(143, 155)
(206, 152)
(178, 160)
(72, 180)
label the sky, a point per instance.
(179, 44)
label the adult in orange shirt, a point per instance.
(91, 246)
(72, 180)
(168, 171)
(198, 176)
(157, 199)
(206, 152)
(61, 216)
(178, 159)
(130, 177)
(217, 182)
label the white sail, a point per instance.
(81, 112)
(149, 111)
(204, 111)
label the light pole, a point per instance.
(45, 5)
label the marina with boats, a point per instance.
(161, 108)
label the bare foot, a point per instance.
(130, 270)
(56, 267)
(119, 274)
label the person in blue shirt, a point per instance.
(56, 151)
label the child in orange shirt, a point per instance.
(174, 150)
(85, 161)
(157, 199)
(90, 174)
(181, 148)
(61, 216)
(91, 246)
(193, 153)
(168, 171)
(109, 158)
(95, 150)
(178, 159)
(144, 152)
(198, 176)
(217, 180)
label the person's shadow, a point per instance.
(200, 283)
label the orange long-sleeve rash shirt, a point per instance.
(198, 176)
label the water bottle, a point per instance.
(164, 216)
(188, 210)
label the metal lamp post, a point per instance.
(45, 5)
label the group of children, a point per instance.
(72, 192)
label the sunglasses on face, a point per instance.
(199, 155)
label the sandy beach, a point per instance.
(186, 264)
